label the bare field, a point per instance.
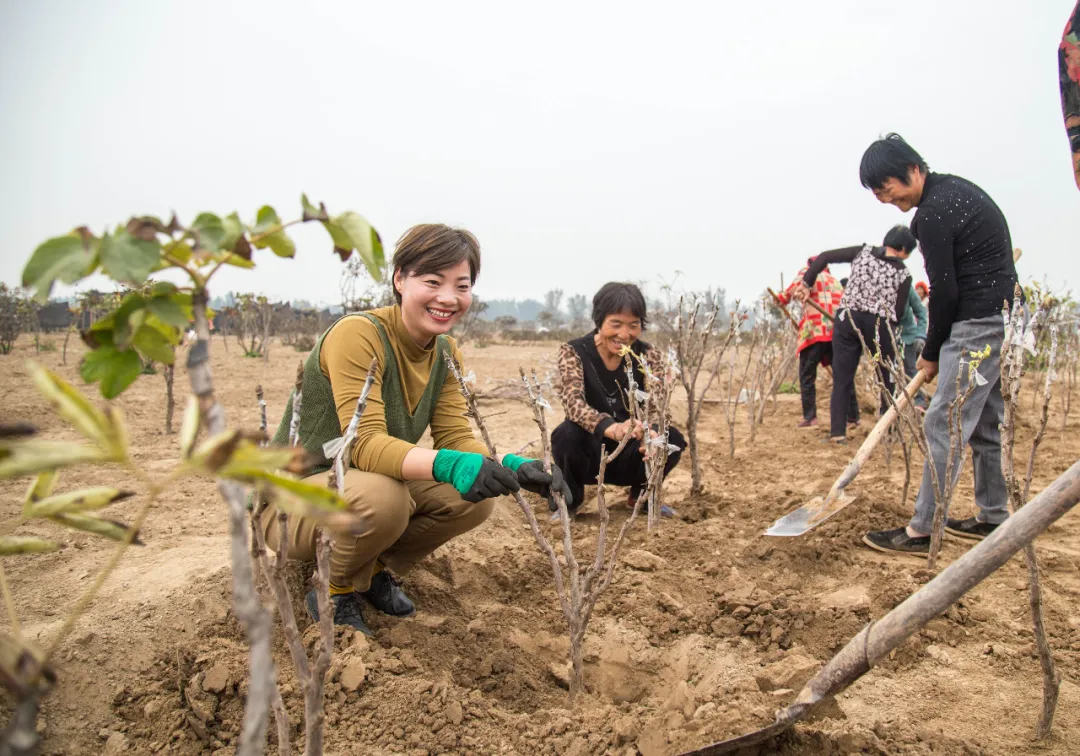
(705, 632)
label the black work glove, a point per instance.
(532, 477)
(491, 480)
(475, 476)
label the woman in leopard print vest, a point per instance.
(873, 302)
(593, 394)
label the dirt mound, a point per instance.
(707, 630)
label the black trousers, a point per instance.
(809, 359)
(577, 453)
(847, 349)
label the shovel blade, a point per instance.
(809, 515)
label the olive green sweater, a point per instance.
(344, 354)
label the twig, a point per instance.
(525, 447)
(249, 612)
(690, 355)
(1017, 337)
(578, 600)
(298, 399)
(281, 719)
(314, 706)
(262, 409)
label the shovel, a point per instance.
(818, 510)
(875, 641)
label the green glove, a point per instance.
(473, 475)
(530, 474)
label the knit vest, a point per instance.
(605, 390)
(874, 285)
(318, 412)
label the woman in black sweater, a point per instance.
(593, 393)
(874, 300)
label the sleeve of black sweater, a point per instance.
(844, 255)
(902, 299)
(936, 241)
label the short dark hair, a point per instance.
(900, 238)
(431, 247)
(615, 297)
(889, 157)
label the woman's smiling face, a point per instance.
(618, 330)
(432, 302)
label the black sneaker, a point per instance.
(897, 541)
(346, 610)
(970, 528)
(385, 594)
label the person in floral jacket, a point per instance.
(1069, 80)
(815, 342)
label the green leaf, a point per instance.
(127, 318)
(311, 212)
(280, 244)
(334, 520)
(171, 334)
(162, 288)
(12, 544)
(70, 403)
(266, 220)
(117, 435)
(248, 460)
(179, 250)
(215, 451)
(63, 258)
(377, 254)
(116, 370)
(86, 500)
(209, 232)
(151, 343)
(111, 529)
(316, 496)
(268, 233)
(32, 456)
(169, 311)
(127, 258)
(234, 229)
(352, 231)
(40, 487)
(231, 258)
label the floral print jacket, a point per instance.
(1069, 79)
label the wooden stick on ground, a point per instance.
(875, 641)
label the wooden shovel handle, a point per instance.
(783, 309)
(819, 308)
(876, 435)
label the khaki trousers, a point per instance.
(404, 522)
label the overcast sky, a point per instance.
(581, 142)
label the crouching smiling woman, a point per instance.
(411, 500)
(593, 392)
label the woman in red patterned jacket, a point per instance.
(815, 341)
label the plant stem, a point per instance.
(249, 610)
(9, 603)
